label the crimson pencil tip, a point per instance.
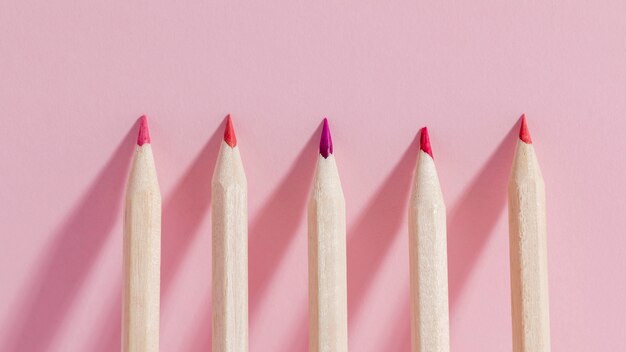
(144, 132)
(425, 142)
(326, 142)
(524, 134)
(229, 133)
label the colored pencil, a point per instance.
(528, 250)
(428, 256)
(328, 309)
(142, 251)
(230, 248)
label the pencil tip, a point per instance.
(524, 134)
(229, 133)
(425, 142)
(326, 142)
(144, 132)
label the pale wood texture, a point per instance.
(430, 331)
(230, 253)
(328, 304)
(142, 256)
(528, 253)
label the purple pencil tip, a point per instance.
(326, 142)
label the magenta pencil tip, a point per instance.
(144, 132)
(425, 142)
(326, 142)
(229, 133)
(524, 133)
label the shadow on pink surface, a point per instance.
(70, 257)
(201, 338)
(185, 208)
(298, 340)
(275, 227)
(399, 338)
(371, 236)
(108, 334)
(473, 217)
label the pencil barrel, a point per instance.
(430, 329)
(328, 323)
(528, 254)
(229, 219)
(142, 257)
(230, 270)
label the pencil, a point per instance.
(142, 251)
(428, 256)
(528, 250)
(328, 310)
(230, 248)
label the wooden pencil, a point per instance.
(230, 248)
(328, 311)
(528, 250)
(142, 251)
(428, 257)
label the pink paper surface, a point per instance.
(75, 76)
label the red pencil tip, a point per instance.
(229, 133)
(326, 142)
(524, 134)
(144, 132)
(425, 142)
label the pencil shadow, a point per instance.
(70, 257)
(109, 330)
(299, 336)
(185, 208)
(399, 338)
(373, 233)
(201, 340)
(475, 215)
(277, 224)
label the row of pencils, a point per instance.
(328, 321)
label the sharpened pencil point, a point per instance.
(326, 142)
(144, 132)
(229, 133)
(524, 134)
(425, 142)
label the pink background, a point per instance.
(76, 75)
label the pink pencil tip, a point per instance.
(229, 133)
(524, 134)
(425, 142)
(144, 132)
(326, 142)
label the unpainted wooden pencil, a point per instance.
(430, 331)
(328, 310)
(142, 251)
(528, 250)
(230, 248)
